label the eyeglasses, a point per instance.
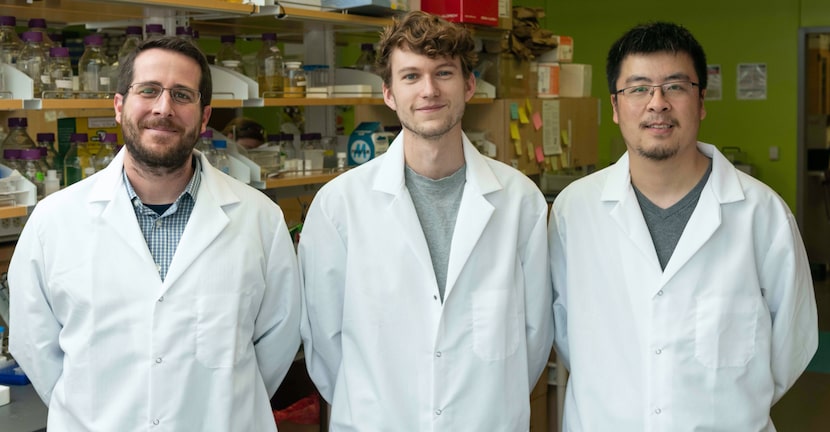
(152, 91)
(675, 90)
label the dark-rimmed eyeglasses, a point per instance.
(152, 91)
(674, 90)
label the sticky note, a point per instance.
(518, 145)
(528, 105)
(523, 116)
(514, 111)
(565, 138)
(537, 120)
(540, 155)
(530, 152)
(514, 131)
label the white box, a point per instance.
(574, 80)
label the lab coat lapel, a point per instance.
(722, 187)
(108, 200)
(626, 212)
(390, 180)
(473, 214)
(206, 222)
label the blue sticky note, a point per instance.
(514, 111)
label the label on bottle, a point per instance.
(64, 84)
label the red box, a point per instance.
(483, 12)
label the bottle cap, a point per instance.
(227, 38)
(79, 137)
(220, 144)
(51, 174)
(89, 170)
(59, 52)
(18, 122)
(32, 36)
(133, 30)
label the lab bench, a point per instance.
(25, 413)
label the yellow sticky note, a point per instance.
(565, 138)
(514, 130)
(531, 154)
(528, 105)
(518, 145)
(523, 116)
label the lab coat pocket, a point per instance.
(725, 331)
(221, 325)
(495, 324)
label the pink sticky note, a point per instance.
(540, 155)
(537, 120)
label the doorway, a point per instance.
(813, 183)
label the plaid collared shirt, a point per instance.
(163, 232)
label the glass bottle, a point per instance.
(221, 158)
(11, 159)
(93, 69)
(185, 33)
(39, 25)
(131, 41)
(32, 60)
(205, 145)
(227, 51)
(366, 59)
(18, 136)
(106, 153)
(269, 67)
(294, 81)
(10, 43)
(33, 169)
(72, 164)
(46, 142)
(153, 31)
(59, 74)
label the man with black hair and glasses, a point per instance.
(159, 293)
(683, 296)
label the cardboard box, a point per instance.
(547, 79)
(563, 53)
(482, 12)
(511, 76)
(574, 80)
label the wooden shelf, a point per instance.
(13, 211)
(77, 104)
(300, 179)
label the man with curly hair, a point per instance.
(427, 295)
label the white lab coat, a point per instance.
(110, 347)
(379, 343)
(712, 342)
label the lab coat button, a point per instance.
(438, 354)
(660, 292)
(658, 351)
(435, 297)
(158, 360)
(438, 412)
(657, 411)
(156, 422)
(161, 299)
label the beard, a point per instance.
(170, 158)
(657, 154)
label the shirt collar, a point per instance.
(191, 189)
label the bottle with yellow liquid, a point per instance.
(269, 67)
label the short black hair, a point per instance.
(655, 37)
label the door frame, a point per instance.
(801, 164)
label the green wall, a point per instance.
(731, 32)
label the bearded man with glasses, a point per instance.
(683, 296)
(158, 293)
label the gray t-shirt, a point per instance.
(667, 225)
(436, 203)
